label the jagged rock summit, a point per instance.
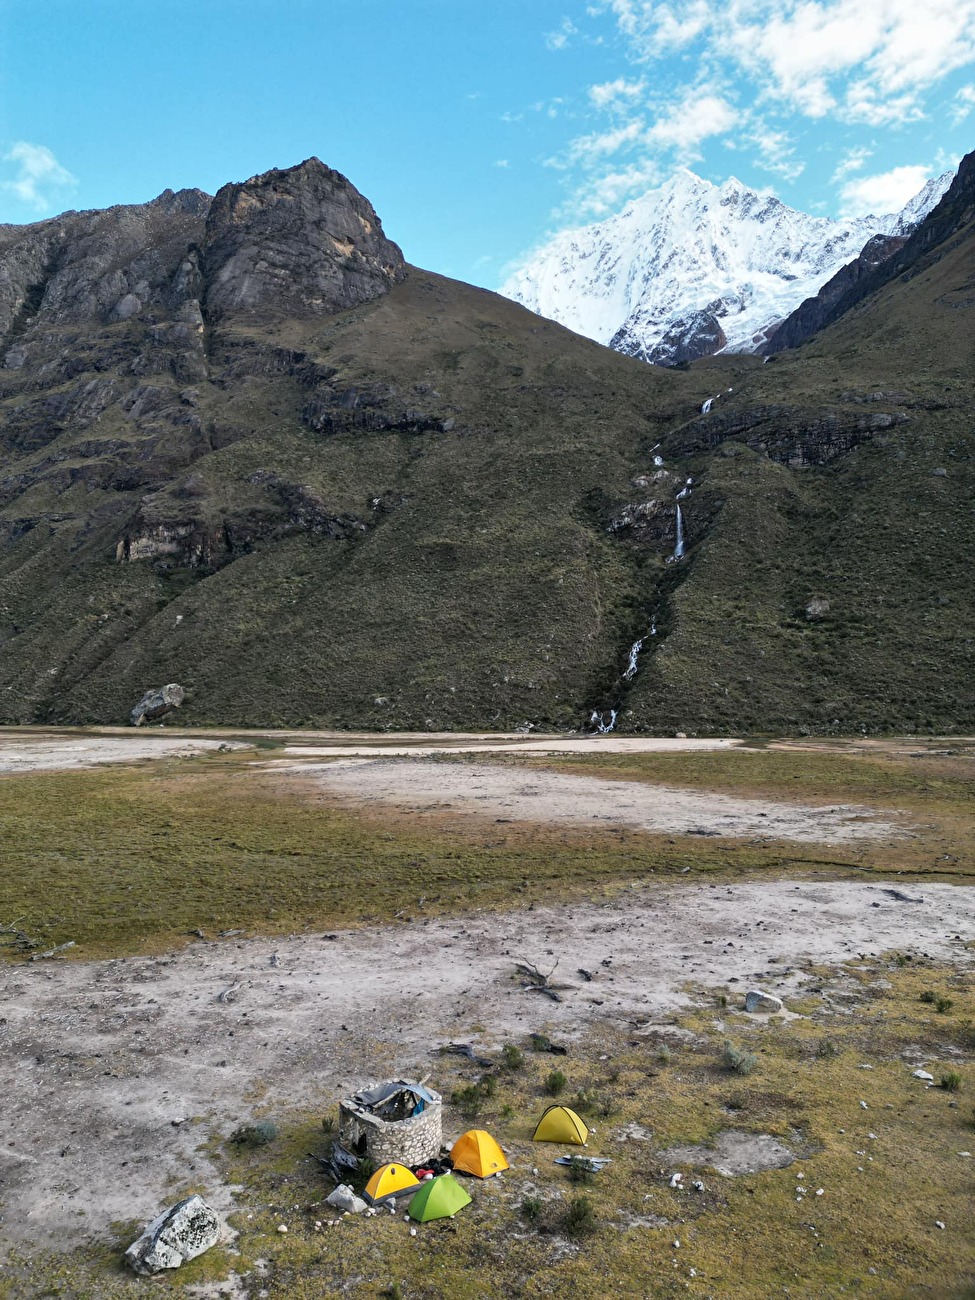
(295, 242)
(693, 268)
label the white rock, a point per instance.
(938, 1223)
(675, 1180)
(763, 1003)
(344, 1198)
(179, 1234)
(923, 1074)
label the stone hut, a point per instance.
(396, 1122)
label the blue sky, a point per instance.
(476, 127)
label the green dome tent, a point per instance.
(439, 1198)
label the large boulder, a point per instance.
(156, 703)
(180, 1233)
(762, 1003)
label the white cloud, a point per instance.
(605, 194)
(39, 175)
(696, 118)
(502, 162)
(559, 39)
(590, 149)
(885, 192)
(776, 151)
(963, 105)
(852, 161)
(610, 94)
(866, 61)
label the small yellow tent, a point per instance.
(390, 1180)
(477, 1153)
(560, 1124)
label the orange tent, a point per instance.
(476, 1152)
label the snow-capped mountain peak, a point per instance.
(692, 268)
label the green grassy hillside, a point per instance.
(437, 510)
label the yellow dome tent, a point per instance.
(560, 1124)
(476, 1152)
(390, 1180)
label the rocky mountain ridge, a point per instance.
(246, 448)
(691, 269)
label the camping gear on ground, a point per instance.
(395, 1100)
(388, 1181)
(561, 1124)
(476, 1152)
(440, 1198)
(592, 1163)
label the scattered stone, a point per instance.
(764, 1003)
(818, 607)
(344, 1198)
(938, 1224)
(179, 1234)
(282, 1227)
(156, 703)
(923, 1074)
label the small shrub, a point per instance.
(589, 1102)
(722, 999)
(942, 1005)
(579, 1219)
(951, 1081)
(928, 996)
(827, 1048)
(555, 1083)
(506, 1111)
(737, 1061)
(394, 1291)
(488, 1085)
(255, 1135)
(513, 1058)
(580, 1170)
(665, 1055)
(328, 1123)
(531, 1208)
(468, 1100)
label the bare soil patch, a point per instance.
(25, 752)
(514, 794)
(116, 1074)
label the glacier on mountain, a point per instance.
(694, 268)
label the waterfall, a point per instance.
(635, 649)
(707, 406)
(679, 544)
(596, 722)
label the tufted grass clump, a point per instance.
(738, 1061)
(512, 1057)
(950, 1081)
(259, 1134)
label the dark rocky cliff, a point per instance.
(883, 259)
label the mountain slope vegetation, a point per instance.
(246, 447)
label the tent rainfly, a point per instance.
(438, 1198)
(561, 1124)
(389, 1181)
(477, 1153)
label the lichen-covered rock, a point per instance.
(156, 703)
(766, 1004)
(181, 1233)
(345, 1199)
